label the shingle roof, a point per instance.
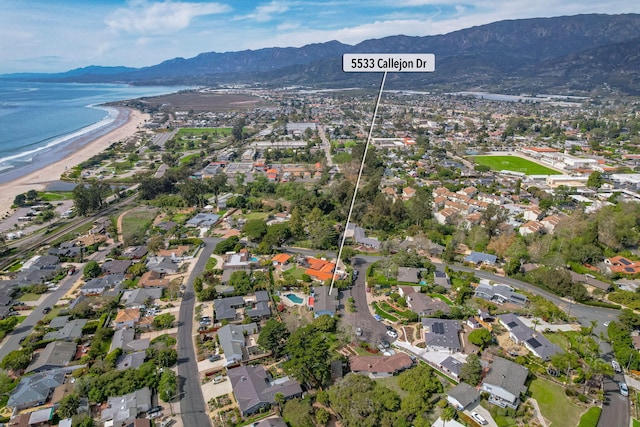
(508, 375)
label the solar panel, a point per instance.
(534, 343)
(629, 269)
(438, 328)
(624, 261)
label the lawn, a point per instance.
(392, 383)
(636, 423)
(29, 297)
(257, 215)
(514, 163)
(554, 404)
(136, 223)
(55, 196)
(591, 417)
(379, 311)
(295, 272)
(441, 297)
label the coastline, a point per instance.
(78, 150)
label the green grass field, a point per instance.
(554, 404)
(514, 163)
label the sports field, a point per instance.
(514, 163)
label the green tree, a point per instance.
(361, 402)
(297, 412)
(20, 200)
(471, 372)
(241, 282)
(68, 406)
(273, 337)
(164, 321)
(595, 180)
(238, 129)
(309, 359)
(480, 337)
(168, 385)
(254, 229)
(92, 269)
(17, 360)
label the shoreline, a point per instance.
(77, 151)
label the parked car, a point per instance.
(154, 409)
(478, 418)
(377, 317)
(358, 332)
(46, 310)
(616, 366)
(392, 333)
(214, 357)
(624, 390)
(154, 415)
(167, 423)
(219, 379)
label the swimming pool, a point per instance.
(294, 298)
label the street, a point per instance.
(193, 409)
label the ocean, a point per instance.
(37, 120)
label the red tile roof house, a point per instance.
(380, 366)
(280, 260)
(622, 265)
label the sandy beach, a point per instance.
(82, 151)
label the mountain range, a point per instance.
(567, 54)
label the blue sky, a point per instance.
(59, 35)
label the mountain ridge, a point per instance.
(511, 55)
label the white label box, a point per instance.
(388, 62)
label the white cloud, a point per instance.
(145, 18)
(264, 13)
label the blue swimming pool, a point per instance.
(294, 298)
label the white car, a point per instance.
(624, 390)
(392, 334)
(478, 418)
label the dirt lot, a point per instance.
(200, 101)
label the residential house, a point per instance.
(478, 258)
(441, 278)
(140, 297)
(228, 308)
(358, 235)
(255, 389)
(533, 213)
(238, 342)
(380, 366)
(238, 261)
(127, 318)
(100, 285)
(71, 331)
(125, 339)
(408, 275)
(531, 227)
(203, 220)
(505, 382)
(319, 269)
(280, 260)
(622, 265)
(123, 410)
(131, 360)
(258, 307)
(153, 279)
(422, 304)
(163, 265)
(135, 252)
(462, 396)
(117, 266)
(441, 335)
(550, 223)
(35, 390)
(56, 354)
(499, 293)
(322, 303)
(534, 341)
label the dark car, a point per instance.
(46, 310)
(214, 357)
(154, 409)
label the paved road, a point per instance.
(193, 408)
(372, 330)
(12, 341)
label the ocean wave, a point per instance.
(112, 114)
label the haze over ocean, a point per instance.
(36, 119)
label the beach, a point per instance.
(78, 150)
